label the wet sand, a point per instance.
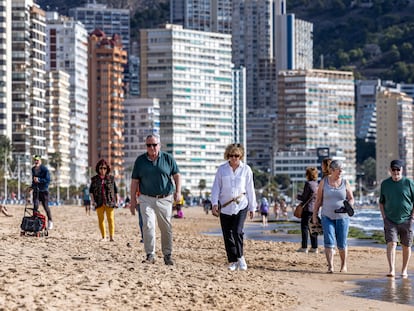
(71, 269)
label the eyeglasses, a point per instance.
(395, 169)
(103, 168)
(152, 145)
(234, 155)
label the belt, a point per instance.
(158, 196)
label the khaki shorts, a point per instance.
(403, 230)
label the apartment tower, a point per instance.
(317, 109)
(106, 97)
(191, 73)
(394, 132)
(67, 50)
(204, 15)
(28, 84)
(6, 69)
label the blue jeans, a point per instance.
(335, 230)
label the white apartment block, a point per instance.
(317, 109)
(394, 132)
(67, 50)
(58, 126)
(28, 84)
(5, 69)
(191, 74)
(142, 118)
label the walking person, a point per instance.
(332, 191)
(104, 196)
(396, 205)
(264, 211)
(152, 176)
(308, 197)
(86, 200)
(40, 186)
(233, 186)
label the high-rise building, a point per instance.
(106, 97)
(58, 126)
(111, 21)
(239, 106)
(204, 15)
(394, 132)
(317, 109)
(6, 69)
(266, 40)
(293, 43)
(191, 73)
(67, 49)
(142, 118)
(28, 83)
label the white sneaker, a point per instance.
(49, 225)
(233, 266)
(242, 263)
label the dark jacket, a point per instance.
(107, 196)
(309, 192)
(44, 179)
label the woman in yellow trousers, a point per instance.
(104, 196)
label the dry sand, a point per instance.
(72, 269)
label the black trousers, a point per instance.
(304, 227)
(232, 227)
(42, 196)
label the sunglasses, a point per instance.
(103, 168)
(152, 145)
(234, 155)
(395, 169)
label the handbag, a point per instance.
(299, 208)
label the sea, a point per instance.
(367, 219)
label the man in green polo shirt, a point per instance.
(396, 205)
(152, 179)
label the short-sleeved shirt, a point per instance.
(155, 176)
(397, 198)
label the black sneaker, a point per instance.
(168, 260)
(348, 208)
(150, 259)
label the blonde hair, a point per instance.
(234, 148)
(311, 173)
(325, 166)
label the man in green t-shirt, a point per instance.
(396, 205)
(152, 178)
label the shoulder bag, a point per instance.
(299, 208)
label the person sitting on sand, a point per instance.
(4, 211)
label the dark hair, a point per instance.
(100, 163)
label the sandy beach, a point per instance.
(72, 269)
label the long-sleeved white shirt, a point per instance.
(228, 185)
